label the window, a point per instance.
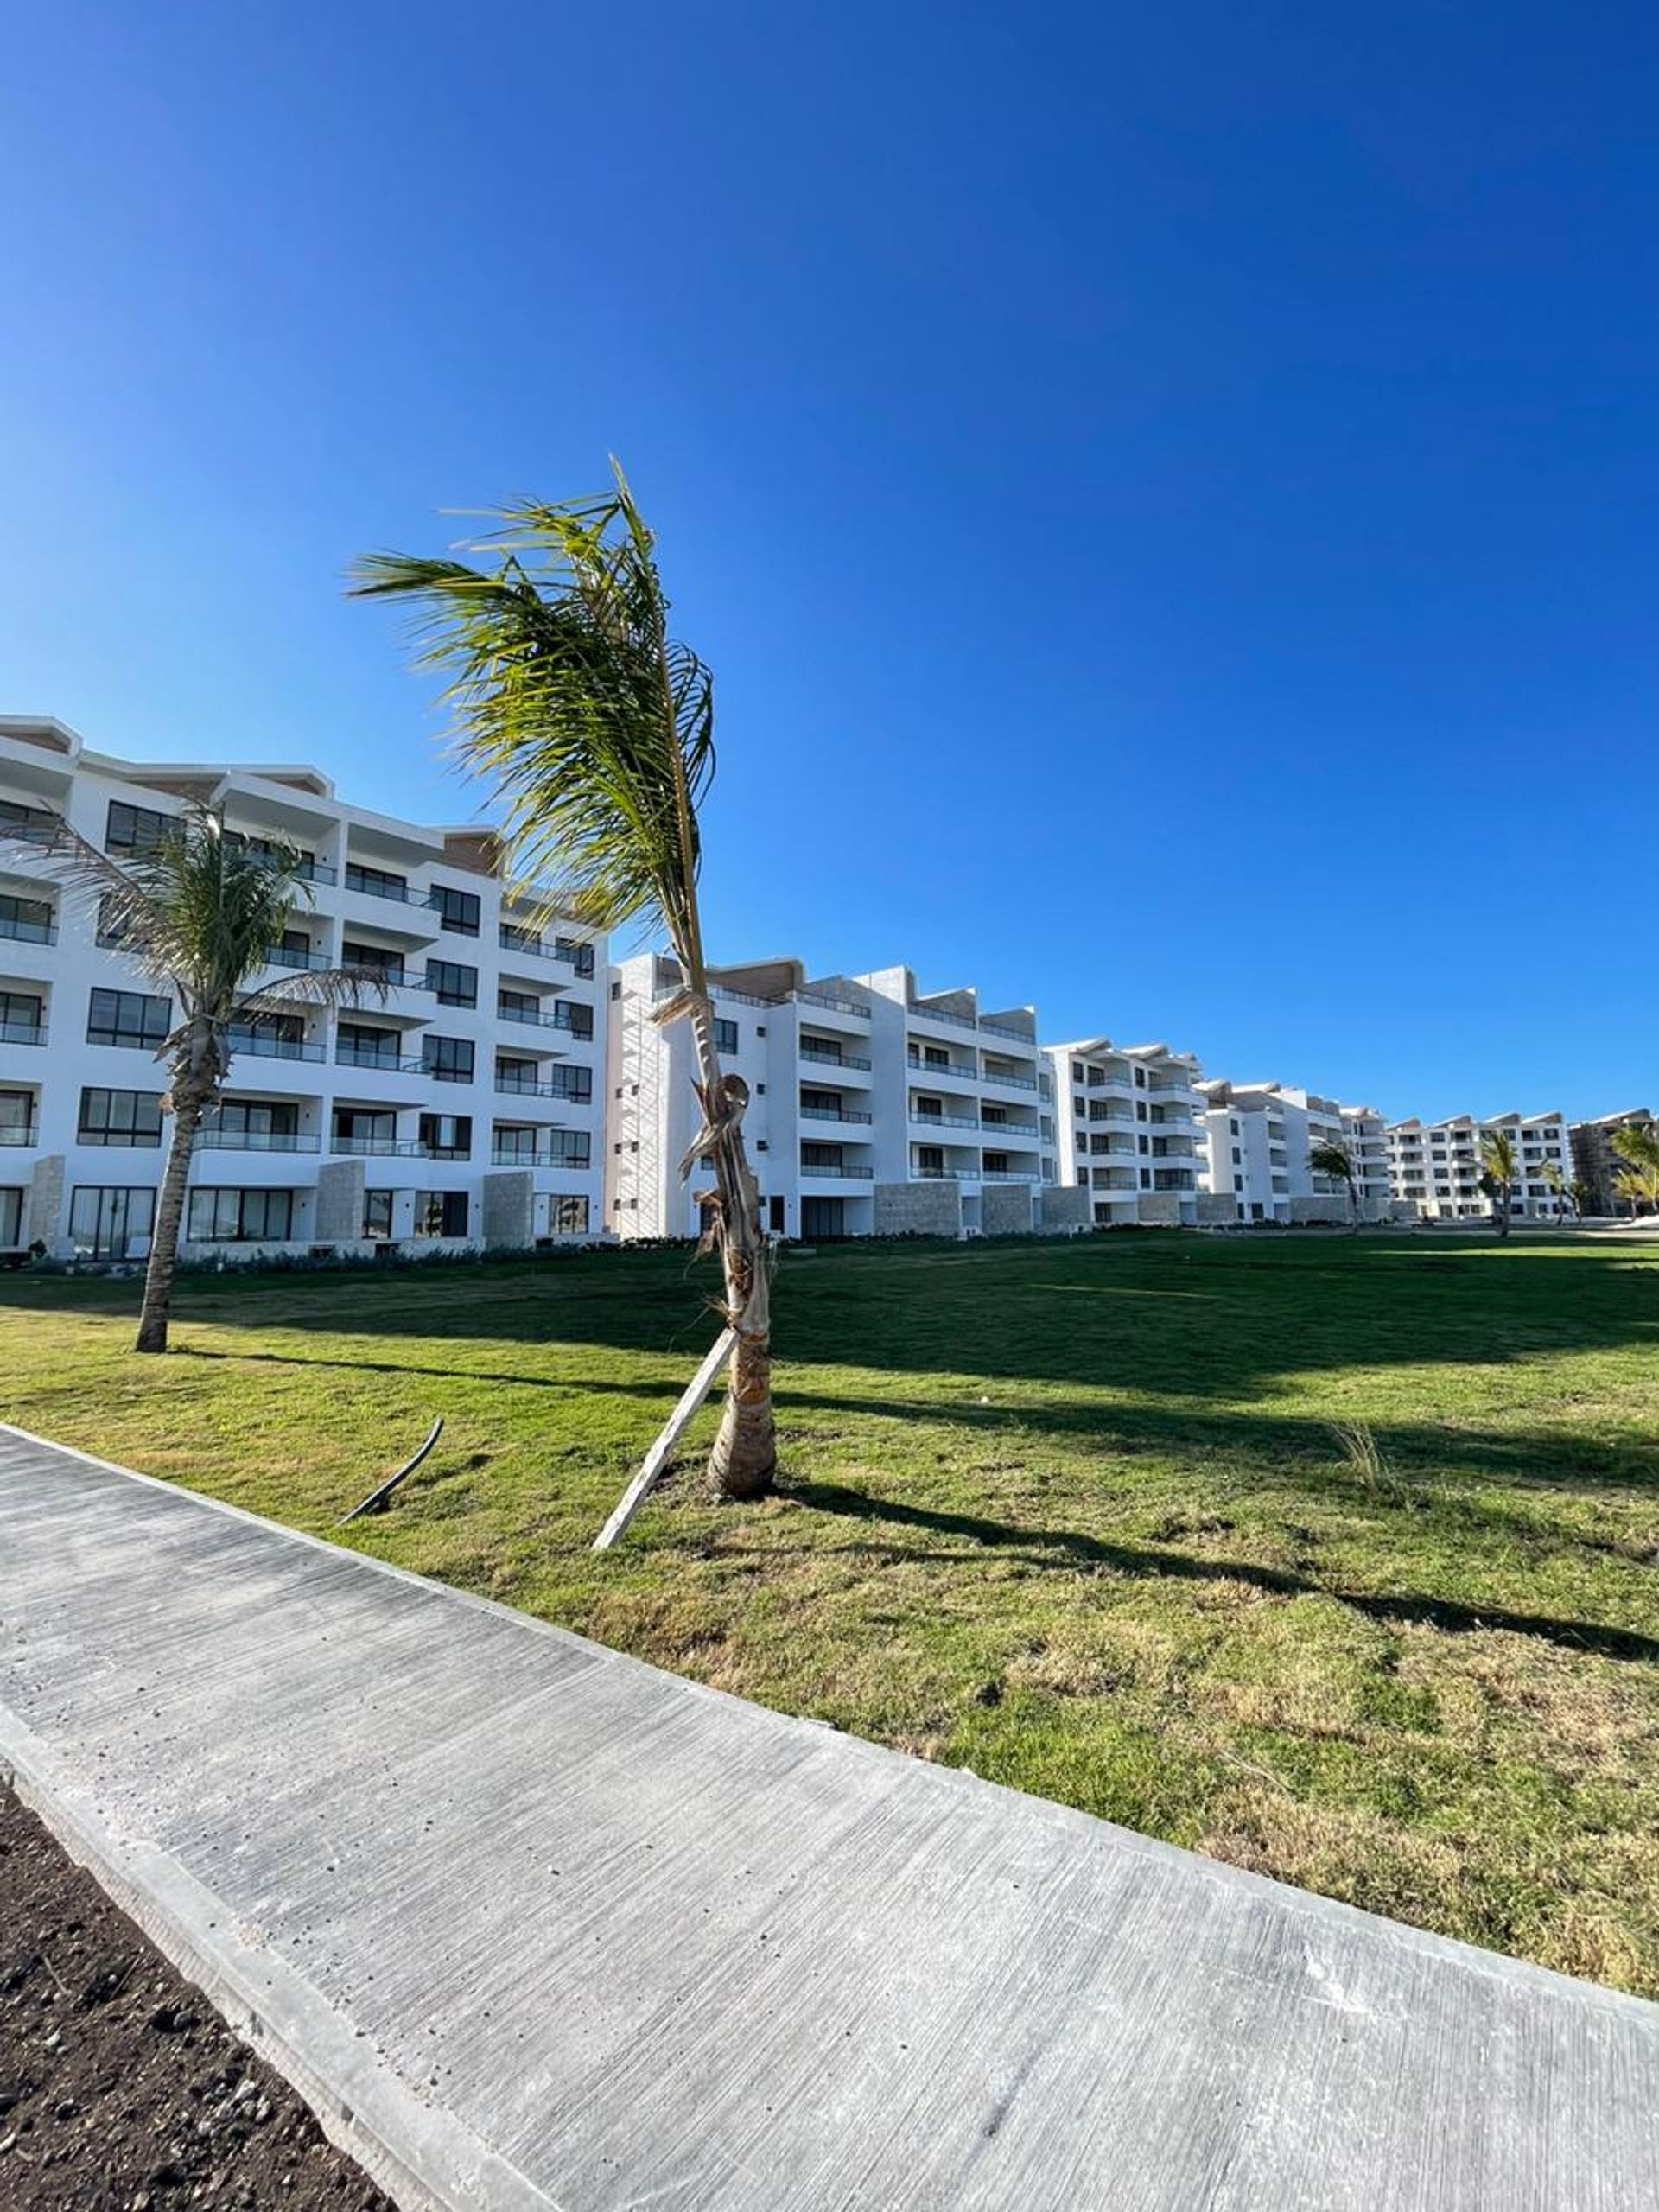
(775, 1215)
(568, 1217)
(440, 1213)
(518, 1004)
(380, 957)
(448, 1059)
(456, 984)
(136, 829)
(935, 1055)
(28, 919)
(262, 1119)
(571, 1015)
(279, 1036)
(128, 1018)
(32, 825)
(106, 1224)
(267, 848)
(362, 1129)
(446, 1136)
(376, 1213)
(455, 910)
(569, 1148)
(378, 882)
(581, 956)
(11, 1218)
(725, 1034)
(575, 1083)
(16, 1116)
(362, 1046)
(240, 1217)
(120, 1117)
(996, 1163)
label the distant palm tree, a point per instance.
(1331, 1157)
(198, 914)
(1637, 1146)
(1500, 1169)
(1559, 1188)
(598, 733)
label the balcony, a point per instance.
(944, 1121)
(831, 1006)
(507, 1155)
(580, 957)
(1006, 1175)
(1009, 1081)
(526, 1021)
(519, 1087)
(823, 1114)
(1016, 1135)
(28, 932)
(257, 1140)
(934, 1073)
(23, 1032)
(380, 1147)
(823, 1058)
(839, 1174)
(1001, 1029)
(26, 825)
(271, 1048)
(19, 1133)
(937, 1014)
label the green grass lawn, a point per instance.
(1071, 1514)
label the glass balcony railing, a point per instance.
(23, 1032)
(841, 1172)
(257, 1140)
(826, 1113)
(822, 1058)
(264, 1047)
(26, 931)
(19, 1133)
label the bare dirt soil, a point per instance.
(121, 2088)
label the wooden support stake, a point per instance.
(661, 1451)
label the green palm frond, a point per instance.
(1497, 1155)
(594, 729)
(1637, 1145)
(1331, 1159)
(315, 986)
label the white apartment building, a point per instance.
(1128, 1132)
(1257, 1141)
(873, 1110)
(1436, 1169)
(462, 1109)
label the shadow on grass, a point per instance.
(1069, 1550)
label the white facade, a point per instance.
(1128, 1130)
(873, 1109)
(463, 1109)
(1436, 1166)
(1257, 1143)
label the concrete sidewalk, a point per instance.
(533, 1925)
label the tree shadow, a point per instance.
(1071, 1550)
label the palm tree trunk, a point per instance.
(745, 1455)
(169, 1215)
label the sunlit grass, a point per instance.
(1075, 1515)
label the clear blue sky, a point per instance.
(1171, 495)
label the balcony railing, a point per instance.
(937, 1014)
(1020, 1136)
(542, 1021)
(1007, 1175)
(519, 1087)
(258, 1140)
(951, 1074)
(283, 956)
(509, 1156)
(271, 1048)
(29, 825)
(1001, 1029)
(23, 1032)
(945, 1120)
(360, 1056)
(512, 939)
(821, 1058)
(24, 932)
(939, 1174)
(398, 1148)
(823, 1114)
(1011, 1082)
(832, 1006)
(843, 1173)
(19, 1133)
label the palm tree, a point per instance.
(1331, 1157)
(1559, 1188)
(1637, 1146)
(1499, 1170)
(197, 914)
(597, 733)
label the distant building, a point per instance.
(1258, 1139)
(1436, 1166)
(1127, 1131)
(1597, 1164)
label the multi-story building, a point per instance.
(1257, 1149)
(1596, 1164)
(873, 1110)
(1127, 1131)
(1436, 1166)
(455, 1105)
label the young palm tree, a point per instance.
(1559, 1188)
(597, 733)
(1500, 1169)
(197, 916)
(1331, 1157)
(1637, 1146)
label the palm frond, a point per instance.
(314, 987)
(595, 731)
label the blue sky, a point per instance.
(1171, 496)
